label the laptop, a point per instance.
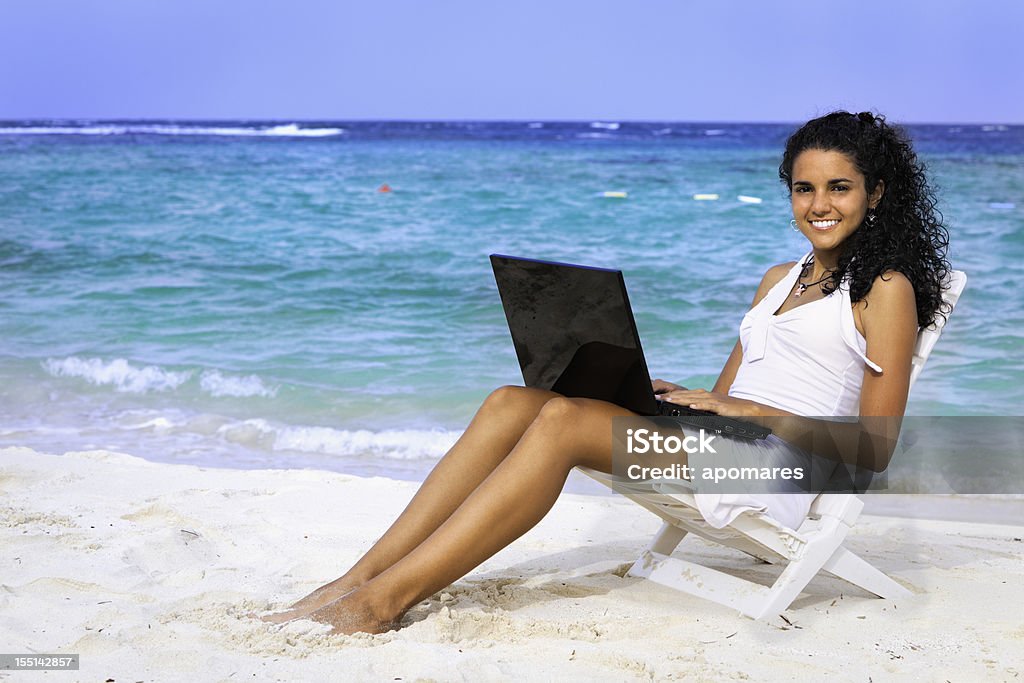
(574, 334)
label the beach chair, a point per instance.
(815, 546)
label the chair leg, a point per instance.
(667, 539)
(790, 583)
(853, 569)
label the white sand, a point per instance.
(148, 571)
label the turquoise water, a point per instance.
(243, 295)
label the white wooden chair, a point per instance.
(815, 546)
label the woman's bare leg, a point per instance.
(516, 495)
(493, 432)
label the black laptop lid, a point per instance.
(573, 331)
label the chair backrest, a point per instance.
(927, 337)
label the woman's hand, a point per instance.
(660, 387)
(721, 404)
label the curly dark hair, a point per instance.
(908, 235)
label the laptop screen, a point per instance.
(573, 330)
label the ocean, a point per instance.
(243, 294)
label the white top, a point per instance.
(809, 361)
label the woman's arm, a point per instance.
(888, 315)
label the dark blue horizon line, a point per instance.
(273, 121)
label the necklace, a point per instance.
(801, 287)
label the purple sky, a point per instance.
(729, 60)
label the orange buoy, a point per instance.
(384, 188)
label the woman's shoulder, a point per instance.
(890, 301)
(891, 288)
(772, 277)
(777, 272)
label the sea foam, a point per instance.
(216, 384)
(285, 130)
(118, 373)
(124, 376)
(401, 444)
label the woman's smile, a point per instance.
(824, 225)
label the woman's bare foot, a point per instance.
(287, 615)
(354, 613)
(321, 597)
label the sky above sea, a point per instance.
(915, 61)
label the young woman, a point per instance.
(830, 334)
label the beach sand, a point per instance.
(149, 570)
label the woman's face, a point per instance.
(829, 197)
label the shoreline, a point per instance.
(147, 570)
